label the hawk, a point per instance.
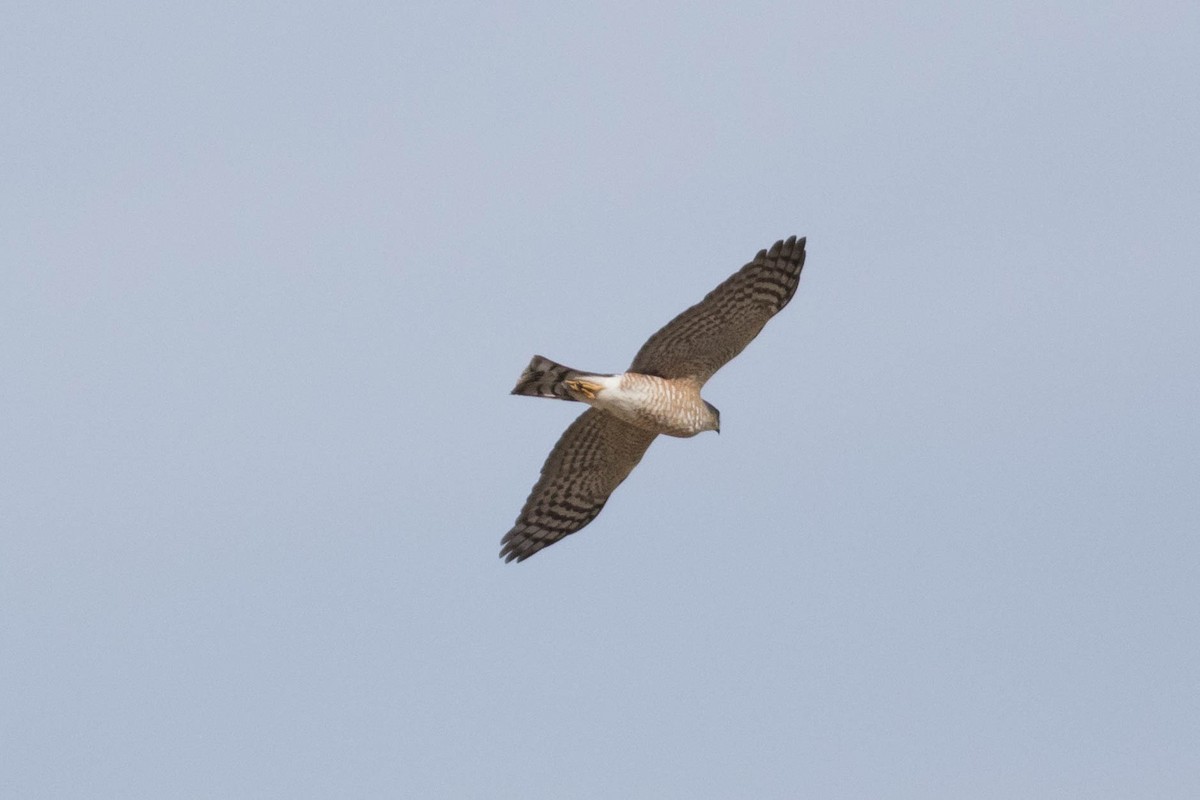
(659, 393)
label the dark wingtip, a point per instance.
(513, 550)
(795, 249)
(792, 246)
(509, 555)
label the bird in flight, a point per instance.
(659, 393)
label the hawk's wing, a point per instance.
(591, 459)
(702, 339)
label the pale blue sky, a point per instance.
(270, 270)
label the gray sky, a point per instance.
(268, 275)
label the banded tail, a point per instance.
(544, 378)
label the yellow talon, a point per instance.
(585, 388)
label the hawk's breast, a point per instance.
(656, 404)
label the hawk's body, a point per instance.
(649, 402)
(659, 394)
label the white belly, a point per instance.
(663, 406)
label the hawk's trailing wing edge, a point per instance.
(703, 338)
(591, 459)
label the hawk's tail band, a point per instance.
(544, 378)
